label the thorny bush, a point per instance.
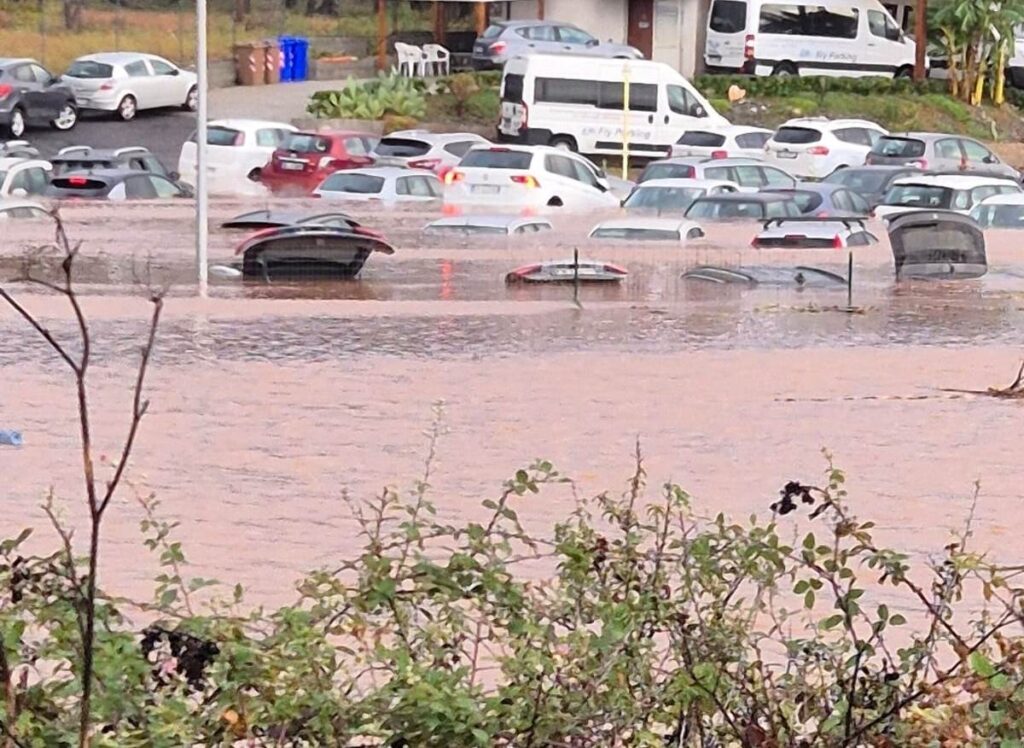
(657, 627)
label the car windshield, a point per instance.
(635, 233)
(362, 184)
(663, 198)
(919, 196)
(307, 143)
(89, 69)
(401, 147)
(1000, 216)
(864, 181)
(498, 159)
(726, 209)
(667, 171)
(898, 148)
(701, 139)
(796, 135)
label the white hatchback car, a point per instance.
(236, 150)
(527, 177)
(126, 82)
(814, 147)
(389, 184)
(421, 149)
(21, 177)
(723, 142)
(942, 192)
(673, 195)
(642, 229)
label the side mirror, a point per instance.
(175, 71)
(699, 111)
(175, 176)
(990, 160)
(594, 42)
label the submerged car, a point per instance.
(800, 276)
(939, 152)
(87, 158)
(741, 207)
(18, 149)
(305, 159)
(824, 199)
(813, 233)
(16, 208)
(641, 229)
(272, 219)
(933, 192)
(236, 150)
(568, 271)
(1000, 212)
(21, 177)
(489, 225)
(937, 245)
(673, 196)
(421, 149)
(870, 182)
(115, 184)
(389, 184)
(748, 174)
(309, 252)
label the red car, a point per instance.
(305, 159)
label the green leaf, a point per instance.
(809, 599)
(831, 622)
(897, 620)
(981, 665)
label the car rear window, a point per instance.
(722, 209)
(63, 167)
(805, 201)
(919, 196)
(492, 31)
(307, 143)
(224, 136)
(701, 139)
(797, 135)
(401, 147)
(663, 198)
(362, 184)
(498, 159)
(87, 69)
(667, 171)
(512, 89)
(898, 148)
(864, 181)
(631, 233)
(728, 16)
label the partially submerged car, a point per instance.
(273, 219)
(942, 192)
(309, 252)
(1000, 212)
(808, 232)
(488, 224)
(937, 245)
(568, 271)
(17, 208)
(870, 182)
(115, 184)
(673, 196)
(389, 184)
(825, 199)
(87, 158)
(742, 206)
(18, 149)
(643, 229)
(800, 276)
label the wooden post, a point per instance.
(920, 38)
(382, 35)
(481, 17)
(540, 10)
(439, 23)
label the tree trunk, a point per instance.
(999, 86)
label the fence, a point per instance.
(57, 31)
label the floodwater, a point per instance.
(270, 403)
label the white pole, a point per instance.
(202, 225)
(625, 121)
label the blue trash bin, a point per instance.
(287, 58)
(300, 46)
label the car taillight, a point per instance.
(754, 243)
(610, 268)
(525, 179)
(822, 214)
(78, 181)
(837, 242)
(818, 150)
(719, 154)
(748, 47)
(526, 270)
(498, 48)
(5, 91)
(453, 176)
(109, 85)
(425, 163)
(921, 163)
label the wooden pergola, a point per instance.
(480, 12)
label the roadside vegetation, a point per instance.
(652, 624)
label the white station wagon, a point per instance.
(126, 82)
(942, 192)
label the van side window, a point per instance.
(682, 101)
(881, 25)
(729, 16)
(643, 97)
(566, 91)
(809, 20)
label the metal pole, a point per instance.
(849, 281)
(202, 227)
(625, 121)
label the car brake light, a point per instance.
(107, 86)
(425, 163)
(78, 181)
(754, 243)
(526, 270)
(921, 163)
(748, 47)
(719, 154)
(818, 150)
(525, 179)
(5, 90)
(837, 242)
(453, 176)
(610, 268)
(498, 48)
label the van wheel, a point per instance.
(785, 69)
(905, 72)
(564, 143)
(555, 202)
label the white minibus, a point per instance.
(852, 38)
(577, 103)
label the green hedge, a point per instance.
(717, 86)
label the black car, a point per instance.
(870, 182)
(84, 158)
(115, 184)
(29, 94)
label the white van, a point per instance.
(576, 103)
(852, 38)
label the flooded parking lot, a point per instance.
(270, 402)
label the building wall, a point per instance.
(605, 19)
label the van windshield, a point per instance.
(728, 16)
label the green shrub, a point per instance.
(774, 86)
(484, 106)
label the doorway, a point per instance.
(640, 26)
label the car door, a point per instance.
(949, 156)
(858, 205)
(163, 187)
(777, 178)
(980, 158)
(592, 191)
(170, 88)
(30, 91)
(51, 97)
(576, 41)
(141, 83)
(541, 38)
(563, 175)
(885, 40)
(139, 187)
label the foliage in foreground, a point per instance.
(656, 627)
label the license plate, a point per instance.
(571, 272)
(786, 154)
(486, 189)
(291, 166)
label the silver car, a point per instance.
(126, 82)
(508, 39)
(938, 152)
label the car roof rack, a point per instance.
(848, 221)
(130, 149)
(68, 150)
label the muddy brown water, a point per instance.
(270, 402)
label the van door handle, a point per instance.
(666, 119)
(650, 119)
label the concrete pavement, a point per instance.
(279, 102)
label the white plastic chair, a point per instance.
(410, 60)
(437, 58)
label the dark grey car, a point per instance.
(507, 39)
(938, 152)
(870, 182)
(29, 94)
